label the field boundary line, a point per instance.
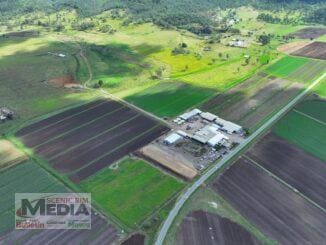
(161, 235)
(113, 150)
(310, 117)
(68, 117)
(78, 127)
(93, 137)
(128, 104)
(283, 182)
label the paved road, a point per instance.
(181, 201)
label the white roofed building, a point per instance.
(228, 126)
(219, 138)
(188, 115)
(172, 139)
(208, 116)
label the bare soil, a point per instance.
(86, 139)
(315, 50)
(310, 32)
(136, 239)
(203, 228)
(100, 233)
(271, 206)
(302, 171)
(292, 47)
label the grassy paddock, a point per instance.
(169, 98)
(286, 65)
(304, 132)
(132, 191)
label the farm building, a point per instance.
(208, 116)
(205, 134)
(229, 127)
(238, 43)
(190, 114)
(218, 139)
(172, 139)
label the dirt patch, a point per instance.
(310, 32)
(271, 206)
(292, 47)
(10, 155)
(315, 50)
(176, 163)
(136, 239)
(65, 82)
(203, 228)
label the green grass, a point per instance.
(320, 89)
(286, 66)
(25, 65)
(27, 177)
(169, 98)
(131, 192)
(304, 132)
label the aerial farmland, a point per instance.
(184, 122)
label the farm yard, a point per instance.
(302, 171)
(28, 177)
(204, 228)
(120, 190)
(271, 206)
(81, 141)
(304, 130)
(10, 155)
(251, 101)
(310, 32)
(316, 50)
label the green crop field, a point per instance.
(309, 71)
(27, 177)
(169, 98)
(286, 66)
(313, 108)
(132, 191)
(303, 131)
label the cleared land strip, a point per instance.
(312, 118)
(181, 201)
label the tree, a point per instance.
(264, 39)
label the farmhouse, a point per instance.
(238, 43)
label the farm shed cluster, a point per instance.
(5, 114)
